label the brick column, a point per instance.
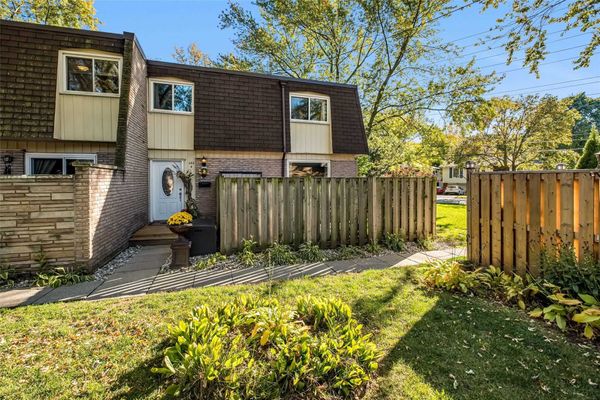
(82, 213)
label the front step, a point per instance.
(152, 235)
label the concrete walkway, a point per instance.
(140, 276)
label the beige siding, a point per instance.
(310, 138)
(446, 177)
(170, 131)
(88, 118)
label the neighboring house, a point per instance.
(452, 174)
(64, 97)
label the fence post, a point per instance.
(374, 207)
(470, 167)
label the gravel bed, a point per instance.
(121, 259)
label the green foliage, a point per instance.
(510, 288)
(6, 278)
(450, 275)
(348, 252)
(426, 243)
(59, 276)
(571, 275)
(373, 248)
(592, 146)
(254, 348)
(565, 310)
(526, 23)
(280, 254)
(72, 13)
(511, 134)
(589, 109)
(211, 261)
(394, 242)
(310, 252)
(247, 256)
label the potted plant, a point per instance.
(179, 223)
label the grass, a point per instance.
(451, 220)
(435, 345)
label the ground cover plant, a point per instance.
(574, 311)
(256, 348)
(435, 344)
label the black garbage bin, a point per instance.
(203, 236)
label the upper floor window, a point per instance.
(92, 74)
(174, 97)
(308, 108)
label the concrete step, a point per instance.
(154, 241)
(152, 235)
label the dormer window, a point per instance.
(172, 97)
(90, 74)
(305, 108)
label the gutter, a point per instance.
(283, 128)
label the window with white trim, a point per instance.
(172, 96)
(301, 169)
(308, 108)
(54, 163)
(92, 74)
(456, 172)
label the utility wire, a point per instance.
(523, 59)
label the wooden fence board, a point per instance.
(327, 211)
(514, 216)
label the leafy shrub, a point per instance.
(347, 252)
(510, 288)
(61, 276)
(426, 243)
(450, 275)
(373, 248)
(211, 261)
(310, 252)
(256, 349)
(393, 241)
(583, 313)
(280, 254)
(571, 275)
(6, 278)
(247, 256)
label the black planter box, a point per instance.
(203, 236)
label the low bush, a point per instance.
(580, 312)
(247, 256)
(209, 262)
(6, 278)
(571, 275)
(393, 242)
(255, 348)
(280, 254)
(348, 252)
(310, 252)
(426, 243)
(59, 276)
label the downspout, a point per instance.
(284, 128)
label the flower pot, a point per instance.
(180, 229)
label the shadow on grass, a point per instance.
(140, 382)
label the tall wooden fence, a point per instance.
(327, 211)
(513, 217)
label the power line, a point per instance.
(548, 84)
(519, 92)
(522, 59)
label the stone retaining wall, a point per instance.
(36, 217)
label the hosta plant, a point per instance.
(253, 348)
(450, 275)
(59, 276)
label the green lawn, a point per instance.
(435, 345)
(451, 220)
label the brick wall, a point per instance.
(269, 167)
(18, 164)
(343, 168)
(36, 216)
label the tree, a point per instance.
(526, 26)
(511, 134)
(192, 56)
(70, 13)
(592, 146)
(589, 109)
(388, 48)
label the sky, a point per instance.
(162, 25)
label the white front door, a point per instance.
(166, 189)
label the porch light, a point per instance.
(470, 165)
(561, 166)
(203, 172)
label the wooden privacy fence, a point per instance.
(514, 216)
(326, 211)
